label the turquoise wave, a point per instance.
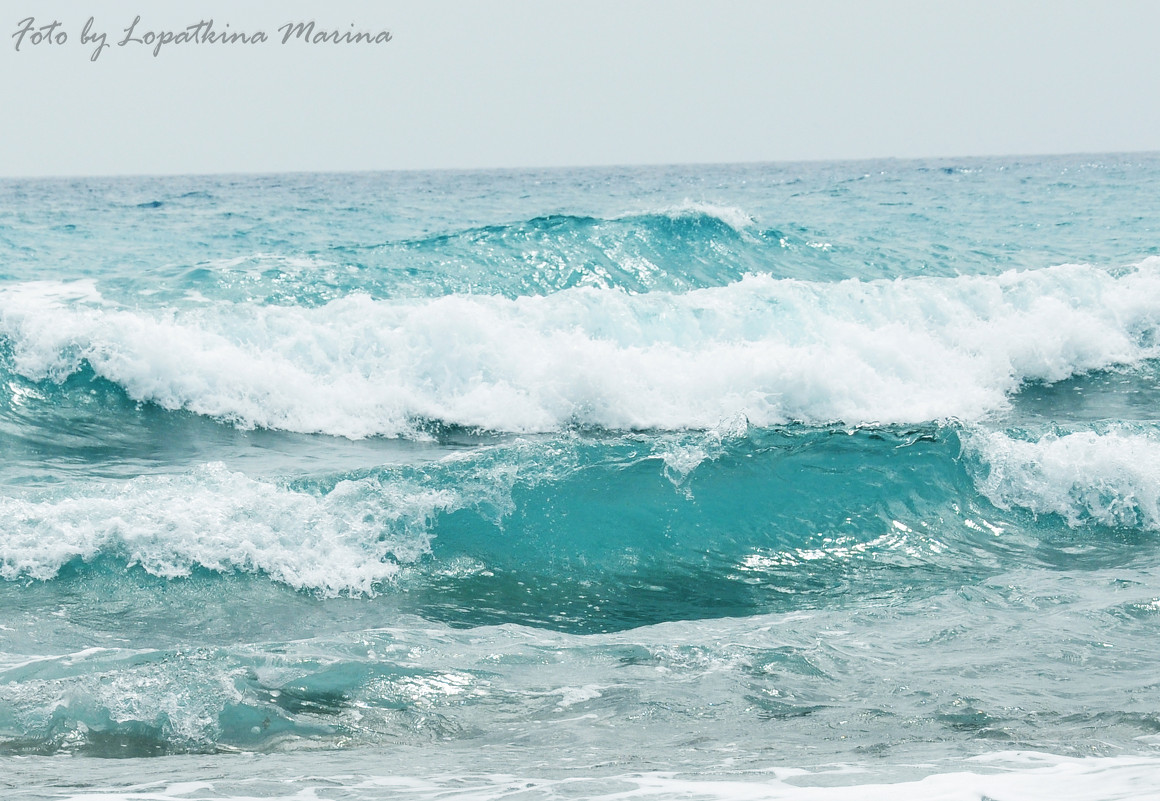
(607, 533)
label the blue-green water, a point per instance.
(580, 483)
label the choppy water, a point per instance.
(769, 481)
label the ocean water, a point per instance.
(793, 481)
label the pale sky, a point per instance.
(519, 83)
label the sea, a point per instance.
(811, 481)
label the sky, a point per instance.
(541, 83)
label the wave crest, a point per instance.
(344, 541)
(1110, 478)
(770, 350)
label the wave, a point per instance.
(1109, 478)
(346, 540)
(699, 212)
(673, 249)
(689, 217)
(121, 702)
(583, 533)
(771, 350)
(688, 246)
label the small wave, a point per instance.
(735, 218)
(769, 350)
(1086, 477)
(667, 250)
(118, 702)
(689, 211)
(561, 225)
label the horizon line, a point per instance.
(566, 167)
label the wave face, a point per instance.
(690, 474)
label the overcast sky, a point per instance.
(512, 83)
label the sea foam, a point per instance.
(1110, 478)
(347, 540)
(1029, 776)
(735, 218)
(771, 350)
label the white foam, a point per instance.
(1110, 478)
(735, 218)
(1025, 776)
(347, 540)
(685, 452)
(256, 263)
(770, 350)
(181, 696)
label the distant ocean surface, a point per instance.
(788, 481)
